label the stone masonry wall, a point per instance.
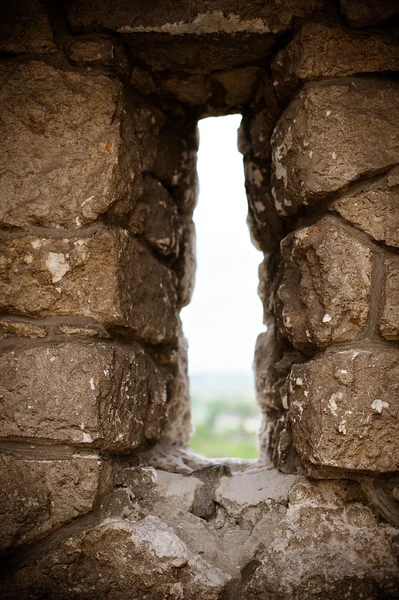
(100, 495)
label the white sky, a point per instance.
(225, 315)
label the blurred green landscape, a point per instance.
(225, 415)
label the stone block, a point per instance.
(155, 217)
(186, 265)
(98, 52)
(22, 329)
(69, 152)
(110, 277)
(120, 558)
(375, 209)
(25, 27)
(326, 284)
(389, 317)
(199, 17)
(332, 135)
(90, 393)
(343, 410)
(189, 89)
(38, 495)
(239, 84)
(322, 548)
(327, 51)
(364, 13)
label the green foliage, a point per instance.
(226, 424)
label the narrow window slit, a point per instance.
(224, 317)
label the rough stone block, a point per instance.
(98, 52)
(389, 319)
(89, 393)
(239, 84)
(110, 277)
(39, 495)
(186, 265)
(190, 89)
(326, 547)
(324, 295)
(25, 27)
(121, 558)
(199, 17)
(374, 210)
(343, 410)
(178, 427)
(364, 13)
(69, 153)
(332, 135)
(155, 217)
(323, 51)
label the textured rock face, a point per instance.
(330, 136)
(324, 51)
(25, 27)
(94, 393)
(321, 549)
(67, 157)
(324, 296)
(343, 413)
(375, 209)
(39, 495)
(100, 495)
(100, 277)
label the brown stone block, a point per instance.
(120, 558)
(332, 135)
(186, 265)
(110, 277)
(374, 210)
(322, 51)
(155, 217)
(363, 13)
(82, 393)
(389, 319)
(25, 27)
(324, 295)
(343, 410)
(39, 495)
(98, 51)
(69, 153)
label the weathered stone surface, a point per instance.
(155, 217)
(121, 558)
(332, 135)
(247, 490)
(189, 89)
(363, 13)
(82, 393)
(321, 50)
(199, 17)
(38, 495)
(343, 410)
(69, 153)
(326, 546)
(25, 27)
(186, 265)
(389, 319)
(178, 427)
(374, 210)
(324, 295)
(271, 366)
(110, 277)
(239, 84)
(98, 52)
(22, 329)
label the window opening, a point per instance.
(224, 317)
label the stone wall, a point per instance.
(100, 495)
